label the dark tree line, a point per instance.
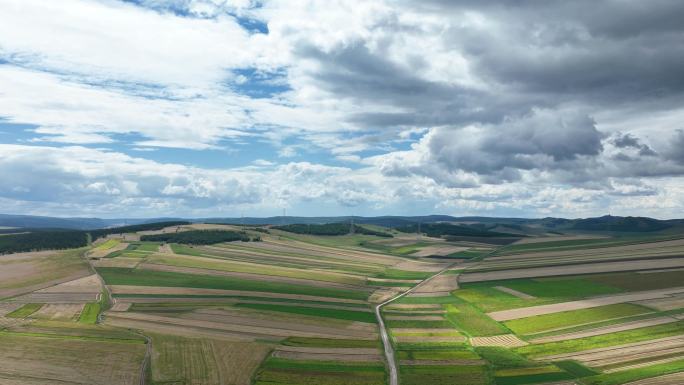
(329, 229)
(19, 240)
(199, 237)
(135, 228)
(42, 240)
(439, 229)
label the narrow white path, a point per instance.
(389, 350)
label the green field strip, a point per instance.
(437, 355)
(471, 321)
(581, 317)
(426, 300)
(630, 375)
(89, 313)
(545, 291)
(602, 341)
(430, 346)
(348, 315)
(533, 378)
(443, 324)
(330, 343)
(135, 277)
(290, 372)
(25, 310)
(443, 374)
(499, 358)
(595, 325)
(631, 281)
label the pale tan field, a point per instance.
(441, 250)
(8, 307)
(431, 267)
(58, 311)
(89, 284)
(505, 341)
(507, 315)
(439, 286)
(118, 262)
(664, 304)
(590, 268)
(70, 361)
(200, 361)
(27, 272)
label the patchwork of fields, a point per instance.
(292, 308)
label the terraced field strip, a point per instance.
(89, 284)
(507, 315)
(57, 298)
(587, 246)
(241, 326)
(224, 252)
(189, 291)
(591, 268)
(669, 379)
(253, 276)
(328, 354)
(606, 330)
(439, 286)
(625, 353)
(594, 316)
(353, 254)
(254, 268)
(59, 311)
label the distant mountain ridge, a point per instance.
(605, 223)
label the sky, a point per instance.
(206, 108)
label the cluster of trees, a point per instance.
(42, 240)
(330, 229)
(440, 229)
(200, 237)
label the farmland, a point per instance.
(221, 304)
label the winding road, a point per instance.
(389, 350)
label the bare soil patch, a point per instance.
(505, 341)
